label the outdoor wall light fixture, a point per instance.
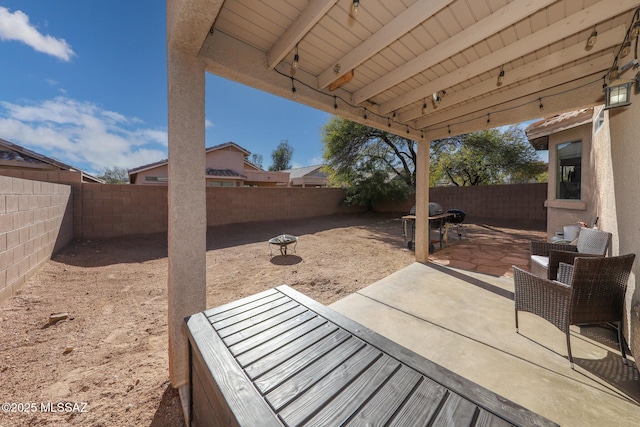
(617, 94)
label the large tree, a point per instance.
(115, 175)
(256, 159)
(281, 156)
(371, 164)
(485, 157)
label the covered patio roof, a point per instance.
(405, 55)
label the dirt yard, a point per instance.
(108, 359)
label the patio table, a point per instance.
(279, 358)
(283, 241)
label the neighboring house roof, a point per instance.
(538, 132)
(301, 172)
(228, 144)
(24, 157)
(207, 150)
(224, 172)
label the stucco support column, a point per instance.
(422, 202)
(187, 204)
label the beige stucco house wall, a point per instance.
(555, 132)
(611, 183)
(226, 166)
(618, 196)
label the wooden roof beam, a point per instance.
(579, 21)
(309, 17)
(419, 12)
(591, 68)
(502, 18)
(606, 40)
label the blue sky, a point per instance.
(84, 81)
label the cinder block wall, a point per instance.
(521, 203)
(112, 210)
(518, 203)
(36, 220)
(120, 210)
(246, 204)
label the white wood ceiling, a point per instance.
(404, 51)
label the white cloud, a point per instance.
(16, 26)
(81, 134)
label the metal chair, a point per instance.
(544, 262)
(591, 291)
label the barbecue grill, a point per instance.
(409, 226)
(456, 221)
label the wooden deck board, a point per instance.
(347, 404)
(232, 336)
(309, 322)
(280, 358)
(379, 410)
(276, 371)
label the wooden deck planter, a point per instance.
(279, 358)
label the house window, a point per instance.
(221, 184)
(568, 178)
(156, 179)
(599, 121)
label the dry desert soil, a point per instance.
(107, 360)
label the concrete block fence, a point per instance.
(36, 221)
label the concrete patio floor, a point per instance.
(464, 321)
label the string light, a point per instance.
(335, 102)
(365, 114)
(424, 106)
(592, 40)
(388, 122)
(500, 76)
(294, 64)
(626, 49)
(436, 99)
(294, 93)
(540, 106)
(488, 118)
(449, 129)
(635, 30)
(354, 8)
(407, 129)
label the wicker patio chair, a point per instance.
(544, 263)
(591, 291)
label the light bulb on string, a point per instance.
(424, 106)
(592, 40)
(635, 30)
(540, 105)
(354, 8)
(500, 77)
(294, 92)
(294, 64)
(626, 49)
